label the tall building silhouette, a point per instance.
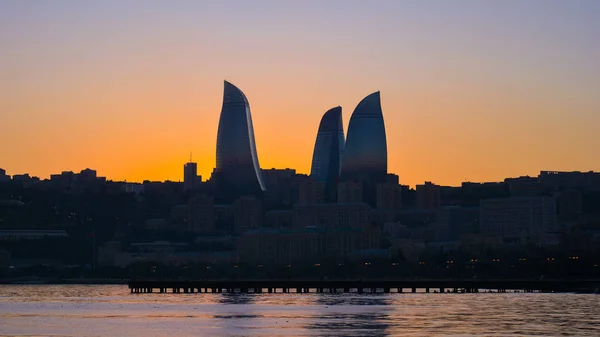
(237, 171)
(365, 152)
(329, 148)
(190, 173)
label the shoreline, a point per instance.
(64, 282)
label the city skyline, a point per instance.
(274, 167)
(237, 153)
(474, 92)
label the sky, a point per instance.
(470, 90)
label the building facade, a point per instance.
(3, 176)
(365, 152)
(327, 155)
(201, 217)
(247, 214)
(560, 180)
(389, 199)
(520, 219)
(350, 191)
(190, 176)
(428, 196)
(310, 190)
(271, 246)
(281, 187)
(356, 215)
(237, 171)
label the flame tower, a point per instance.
(237, 171)
(329, 148)
(365, 153)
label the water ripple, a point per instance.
(74, 310)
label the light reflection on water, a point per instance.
(108, 310)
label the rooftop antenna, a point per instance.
(190, 156)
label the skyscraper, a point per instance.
(365, 152)
(237, 171)
(190, 172)
(329, 148)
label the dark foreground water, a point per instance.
(78, 310)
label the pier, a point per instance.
(360, 286)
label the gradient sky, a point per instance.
(471, 90)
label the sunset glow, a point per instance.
(479, 93)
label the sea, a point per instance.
(111, 310)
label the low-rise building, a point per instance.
(351, 215)
(350, 192)
(201, 214)
(570, 203)
(279, 219)
(519, 219)
(569, 180)
(388, 199)
(31, 234)
(309, 244)
(156, 224)
(3, 176)
(247, 214)
(310, 190)
(429, 196)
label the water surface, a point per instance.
(109, 310)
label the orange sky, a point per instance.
(465, 96)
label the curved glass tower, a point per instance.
(237, 171)
(329, 148)
(365, 153)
